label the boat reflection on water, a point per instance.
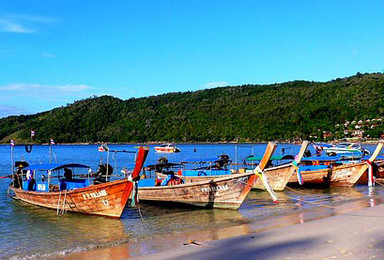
(180, 225)
(303, 205)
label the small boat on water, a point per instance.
(226, 192)
(341, 148)
(54, 186)
(167, 148)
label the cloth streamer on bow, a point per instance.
(264, 179)
(297, 169)
(371, 181)
(135, 194)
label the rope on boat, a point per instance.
(380, 184)
(264, 179)
(135, 198)
(141, 215)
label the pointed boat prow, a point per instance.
(259, 170)
(373, 157)
(297, 161)
(267, 156)
(141, 157)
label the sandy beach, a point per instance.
(354, 235)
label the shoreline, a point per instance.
(354, 235)
(199, 143)
(348, 236)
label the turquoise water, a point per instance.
(29, 231)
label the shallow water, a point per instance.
(33, 232)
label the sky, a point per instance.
(54, 52)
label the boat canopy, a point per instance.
(55, 166)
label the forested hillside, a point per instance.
(285, 111)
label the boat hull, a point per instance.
(166, 150)
(226, 192)
(319, 177)
(346, 175)
(277, 177)
(349, 175)
(107, 199)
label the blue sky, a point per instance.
(55, 52)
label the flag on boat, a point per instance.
(12, 142)
(33, 133)
(52, 142)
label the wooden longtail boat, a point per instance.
(226, 192)
(105, 199)
(346, 175)
(279, 176)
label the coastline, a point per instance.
(356, 234)
(368, 142)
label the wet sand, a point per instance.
(354, 235)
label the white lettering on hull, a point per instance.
(95, 195)
(215, 188)
(344, 173)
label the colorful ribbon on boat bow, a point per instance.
(135, 194)
(371, 180)
(299, 177)
(264, 179)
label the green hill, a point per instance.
(297, 109)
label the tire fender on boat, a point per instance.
(201, 173)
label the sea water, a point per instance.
(29, 232)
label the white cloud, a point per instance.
(48, 55)
(14, 27)
(43, 90)
(25, 98)
(11, 110)
(214, 85)
(18, 23)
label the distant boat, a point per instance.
(342, 148)
(47, 187)
(167, 148)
